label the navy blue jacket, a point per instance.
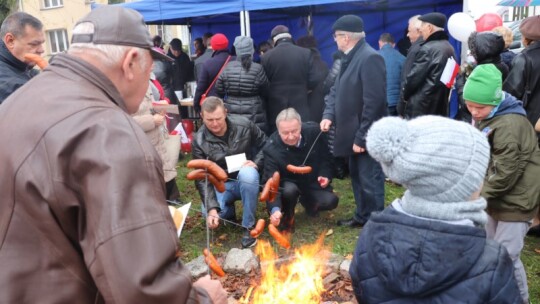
(404, 259)
(358, 97)
(207, 74)
(394, 63)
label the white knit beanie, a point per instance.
(438, 160)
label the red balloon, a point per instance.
(488, 21)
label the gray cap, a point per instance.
(243, 45)
(438, 160)
(117, 26)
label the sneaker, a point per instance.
(248, 241)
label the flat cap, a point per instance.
(434, 18)
(530, 28)
(349, 23)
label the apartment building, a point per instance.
(59, 17)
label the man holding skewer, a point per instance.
(300, 145)
(234, 143)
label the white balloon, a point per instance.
(460, 26)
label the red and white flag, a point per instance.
(179, 130)
(450, 72)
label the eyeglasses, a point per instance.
(337, 35)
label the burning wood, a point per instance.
(297, 281)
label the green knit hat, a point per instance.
(484, 85)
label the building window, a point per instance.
(58, 40)
(52, 3)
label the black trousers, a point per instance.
(310, 197)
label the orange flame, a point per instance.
(298, 281)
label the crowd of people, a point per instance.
(86, 183)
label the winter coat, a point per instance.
(182, 71)
(83, 216)
(393, 61)
(507, 56)
(13, 73)
(243, 137)
(404, 259)
(277, 155)
(156, 135)
(164, 73)
(358, 97)
(207, 74)
(316, 95)
(516, 80)
(242, 91)
(511, 185)
(423, 91)
(291, 73)
(199, 61)
(407, 66)
(328, 84)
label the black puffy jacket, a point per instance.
(243, 137)
(243, 91)
(404, 259)
(13, 73)
(423, 91)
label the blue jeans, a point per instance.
(246, 189)
(367, 181)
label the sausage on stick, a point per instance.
(209, 165)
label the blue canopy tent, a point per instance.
(301, 16)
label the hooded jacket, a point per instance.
(405, 259)
(511, 185)
(83, 217)
(13, 73)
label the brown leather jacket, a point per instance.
(83, 217)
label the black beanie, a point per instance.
(349, 23)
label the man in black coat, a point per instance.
(423, 91)
(20, 33)
(291, 74)
(413, 32)
(357, 99)
(298, 143)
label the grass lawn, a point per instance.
(342, 241)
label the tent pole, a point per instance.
(247, 24)
(242, 24)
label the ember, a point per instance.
(297, 281)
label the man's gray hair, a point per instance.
(415, 22)
(356, 36)
(111, 54)
(288, 115)
(17, 22)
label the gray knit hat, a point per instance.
(243, 45)
(438, 160)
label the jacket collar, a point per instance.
(283, 41)
(84, 69)
(439, 35)
(6, 56)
